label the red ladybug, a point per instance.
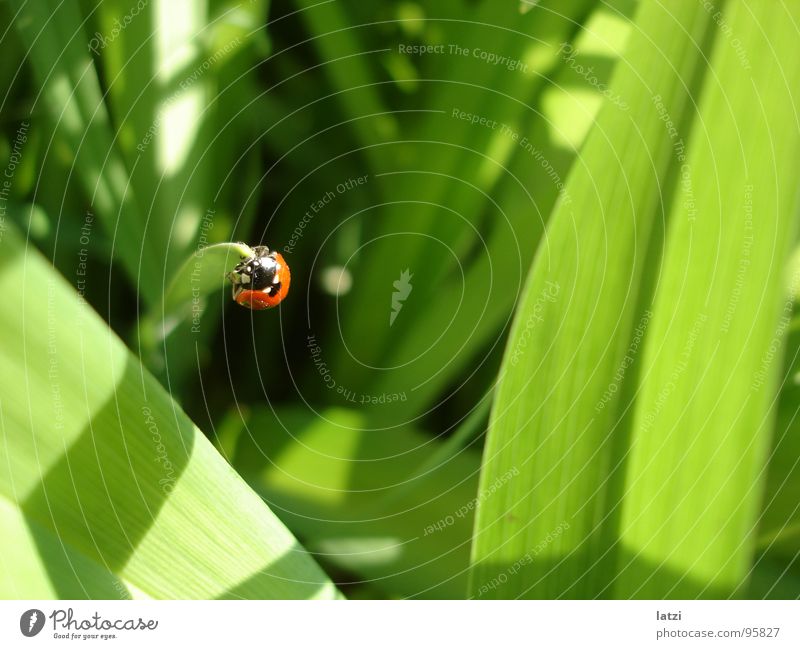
(261, 281)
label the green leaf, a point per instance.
(107, 489)
(705, 414)
(346, 66)
(436, 183)
(57, 50)
(163, 89)
(541, 528)
(201, 275)
(520, 205)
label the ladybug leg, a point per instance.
(233, 277)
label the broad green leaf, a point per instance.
(107, 489)
(541, 529)
(705, 413)
(70, 92)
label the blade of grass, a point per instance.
(189, 343)
(518, 209)
(429, 221)
(163, 73)
(705, 414)
(116, 491)
(178, 134)
(349, 73)
(57, 50)
(539, 528)
(161, 80)
(201, 275)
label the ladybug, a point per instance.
(260, 281)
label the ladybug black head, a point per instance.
(258, 273)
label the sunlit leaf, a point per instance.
(542, 528)
(705, 412)
(107, 489)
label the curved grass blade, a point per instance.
(201, 275)
(541, 527)
(705, 415)
(107, 489)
